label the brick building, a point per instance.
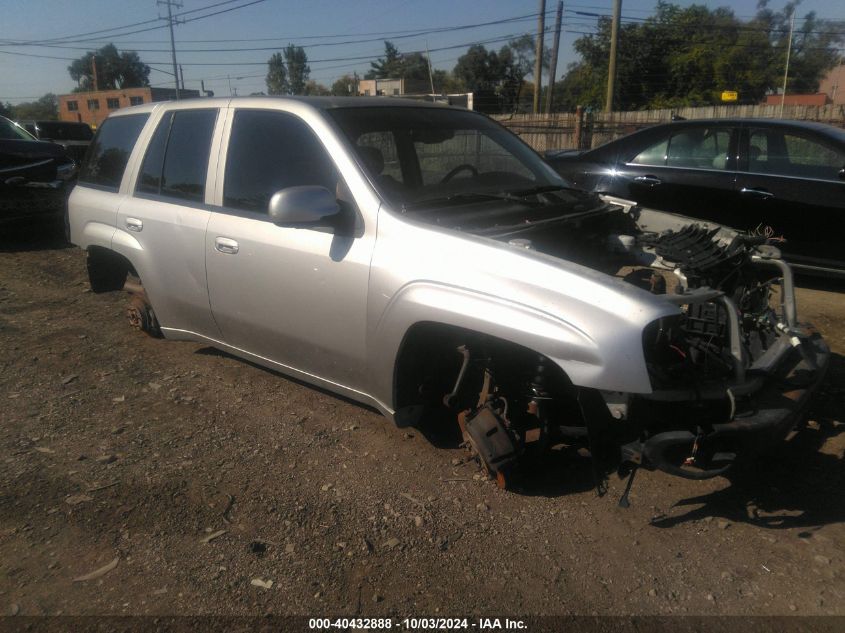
(93, 107)
(834, 85)
(817, 99)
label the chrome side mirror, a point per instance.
(302, 205)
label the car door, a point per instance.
(295, 295)
(790, 182)
(690, 169)
(164, 220)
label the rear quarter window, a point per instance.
(177, 157)
(109, 151)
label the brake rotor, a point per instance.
(141, 316)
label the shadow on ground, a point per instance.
(827, 284)
(32, 234)
(796, 485)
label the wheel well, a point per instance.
(107, 270)
(428, 362)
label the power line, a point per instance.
(380, 37)
(369, 57)
(154, 28)
(126, 26)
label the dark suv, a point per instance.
(74, 137)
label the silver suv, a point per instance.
(424, 260)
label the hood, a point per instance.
(30, 160)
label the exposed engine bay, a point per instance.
(729, 373)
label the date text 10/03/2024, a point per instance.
(416, 624)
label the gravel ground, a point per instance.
(180, 480)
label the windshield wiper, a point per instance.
(470, 197)
(531, 191)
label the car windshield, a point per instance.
(10, 131)
(424, 157)
(58, 131)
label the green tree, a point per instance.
(446, 83)
(314, 89)
(387, 67)
(498, 79)
(816, 45)
(396, 65)
(45, 108)
(344, 87)
(277, 75)
(298, 69)
(288, 72)
(478, 68)
(688, 56)
(114, 70)
(7, 110)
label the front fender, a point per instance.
(583, 357)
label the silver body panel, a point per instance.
(333, 310)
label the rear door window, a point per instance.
(176, 163)
(109, 152)
(782, 153)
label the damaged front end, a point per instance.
(731, 372)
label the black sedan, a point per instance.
(784, 178)
(35, 176)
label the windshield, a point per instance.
(418, 157)
(10, 131)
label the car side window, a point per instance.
(109, 151)
(653, 154)
(699, 148)
(176, 163)
(149, 180)
(781, 153)
(269, 151)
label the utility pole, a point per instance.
(614, 41)
(553, 66)
(786, 71)
(182, 77)
(538, 62)
(430, 75)
(94, 71)
(170, 4)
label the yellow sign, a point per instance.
(729, 95)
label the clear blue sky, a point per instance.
(274, 23)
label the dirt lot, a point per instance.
(197, 475)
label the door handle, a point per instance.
(651, 181)
(225, 245)
(134, 224)
(759, 194)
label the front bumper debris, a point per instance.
(778, 405)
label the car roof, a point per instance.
(52, 122)
(793, 123)
(320, 103)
